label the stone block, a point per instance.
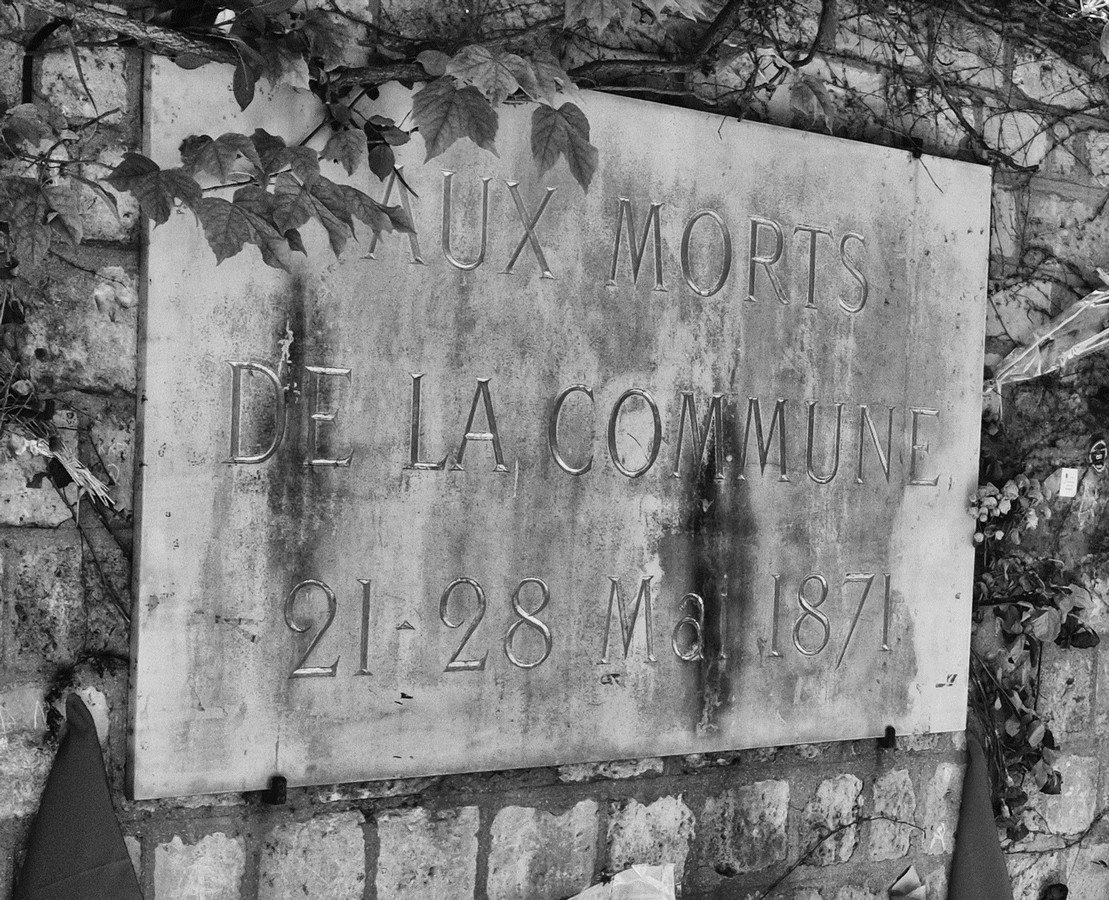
(1072, 810)
(134, 850)
(941, 808)
(1046, 78)
(1015, 312)
(836, 803)
(851, 892)
(1030, 873)
(536, 855)
(654, 834)
(1087, 869)
(323, 858)
(1097, 153)
(22, 710)
(614, 769)
(44, 608)
(746, 830)
(68, 342)
(370, 790)
(1066, 689)
(27, 497)
(936, 882)
(24, 764)
(210, 869)
(1023, 136)
(893, 797)
(104, 72)
(101, 221)
(427, 855)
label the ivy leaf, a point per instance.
(26, 211)
(222, 157)
(65, 204)
(563, 132)
(292, 204)
(295, 241)
(691, 9)
(382, 160)
(330, 207)
(1104, 43)
(275, 156)
(24, 122)
(155, 188)
(229, 226)
(597, 14)
(445, 112)
(255, 200)
(434, 62)
(809, 99)
(550, 78)
(326, 37)
(242, 83)
(347, 146)
(496, 74)
(378, 216)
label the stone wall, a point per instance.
(732, 823)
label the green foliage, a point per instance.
(278, 190)
(1028, 600)
(563, 132)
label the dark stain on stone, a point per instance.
(711, 551)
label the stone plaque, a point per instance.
(677, 464)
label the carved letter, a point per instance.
(237, 456)
(696, 623)
(726, 262)
(766, 261)
(778, 421)
(414, 461)
(482, 394)
(317, 416)
(653, 222)
(552, 430)
(470, 266)
(822, 479)
(812, 231)
(856, 273)
(920, 447)
(656, 437)
(865, 423)
(413, 239)
(529, 229)
(701, 443)
(615, 598)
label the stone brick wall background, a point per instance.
(732, 823)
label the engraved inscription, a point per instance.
(455, 664)
(627, 623)
(302, 669)
(525, 618)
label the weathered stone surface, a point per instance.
(856, 893)
(941, 808)
(893, 797)
(26, 496)
(103, 70)
(654, 834)
(1087, 867)
(1071, 810)
(1066, 688)
(1031, 873)
(536, 855)
(614, 769)
(67, 342)
(836, 803)
(397, 787)
(936, 882)
(24, 764)
(22, 709)
(1048, 79)
(426, 855)
(134, 850)
(1021, 135)
(43, 604)
(745, 830)
(323, 858)
(101, 223)
(210, 869)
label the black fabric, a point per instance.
(978, 867)
(75, 849)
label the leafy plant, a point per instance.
(1031, 601)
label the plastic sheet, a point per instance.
(636, 883)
